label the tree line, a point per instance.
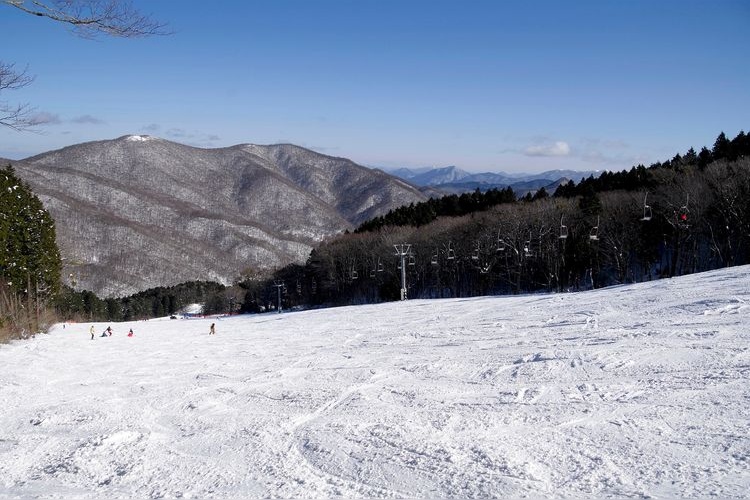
(676, 217)
(453, 205)
(152, 303)
(684, 215)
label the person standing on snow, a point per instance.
(91, 331)
(212, 330)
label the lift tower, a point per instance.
(403, 250)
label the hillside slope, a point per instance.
(632, 391)
(138, 212)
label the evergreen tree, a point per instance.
(722, 147)
(704, 158)
(29, 256)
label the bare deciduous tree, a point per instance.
(85, 18)
(15, 116)
(90, 18)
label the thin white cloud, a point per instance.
(193, 138)
(44, 118)
(88, 119)
(557, 148)
(152, 128)
(610, 152)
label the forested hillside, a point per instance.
(684, 215)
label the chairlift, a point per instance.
(412, 260)
(372, 272)
(563, 230)
(451, 254)
(355, 274)
(475, 255)
(682, 215)
(647, 212)
(594, 234)
(434, 259)
(380, 266)
(500, 244)
(527, 248)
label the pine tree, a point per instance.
(28, 251)
(722, 147)
(30, 262)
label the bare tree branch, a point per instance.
(85, 18)
(16, 116)
(89, 18)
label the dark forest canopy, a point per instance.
(453, 205)
(640, 177)
(151, 303)
(684, 215)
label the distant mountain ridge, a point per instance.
(138, 211)
(453, 180)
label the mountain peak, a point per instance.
(200, 213)
(138, 138)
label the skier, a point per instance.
(130, 333)
(91, 331)
(212, 330)
(109, 330)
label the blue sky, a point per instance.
(484, 85)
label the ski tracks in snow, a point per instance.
(630, 391)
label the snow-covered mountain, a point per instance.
(437, 176)
(636, 391)
(454, 180)
(139, 212)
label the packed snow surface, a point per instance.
(639, 390)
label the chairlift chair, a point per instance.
(500, 244)
(527, 248)
(682, 215)
(475, 255)
(594, 234)
(563, 230)
(451, 254)
(647, 212)
(380, 266)
(412, 260)
(434, 259)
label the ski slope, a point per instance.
(639, 390)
